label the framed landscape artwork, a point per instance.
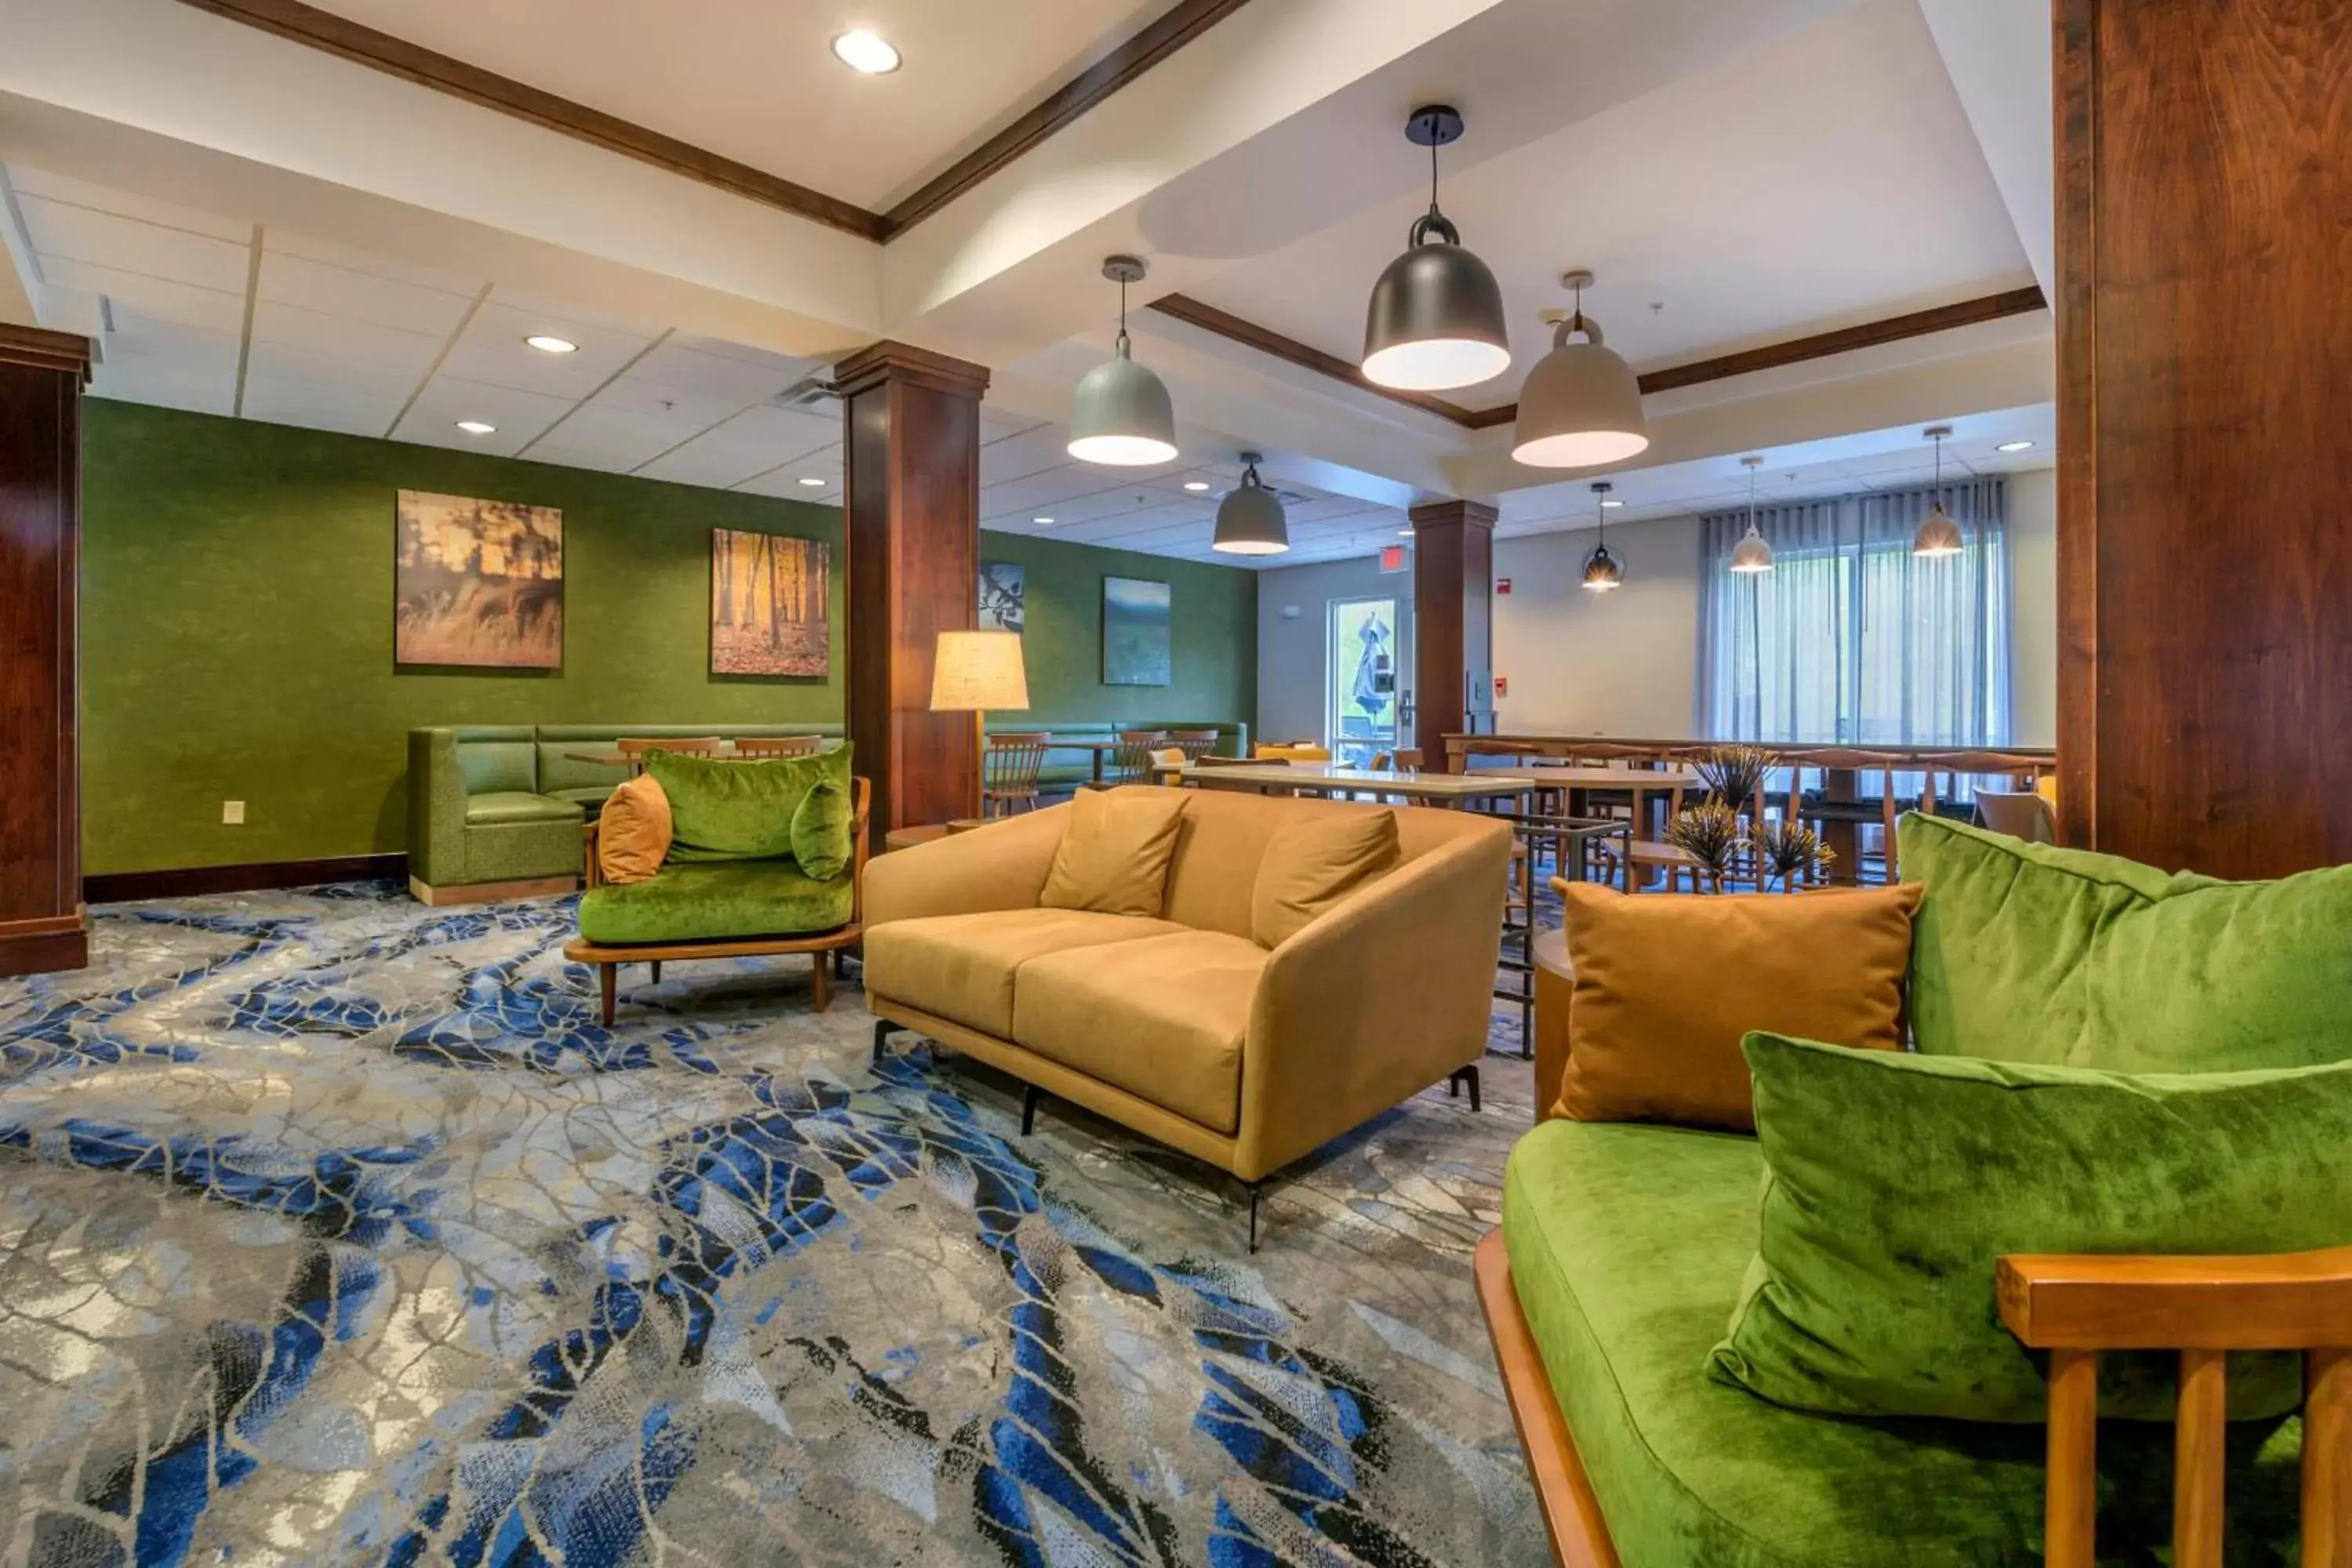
(1002, 588)
(1135, 632)
(476, 584)
(770, 604)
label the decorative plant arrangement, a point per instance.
(1788, 849)
(1734, 772)
(1709, 834)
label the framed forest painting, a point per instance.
(1135, 650)
(770, 604)
(476, 584)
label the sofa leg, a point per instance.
(1468, 1075)
(822, 979)
(883, 1029)
(1030, 1094)
(656, 966)
(1254, 1188)
(607, 980)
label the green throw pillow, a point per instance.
(722, 810)
(2029, 952)
(1894, 1182)
(823, 837)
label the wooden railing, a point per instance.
(2074, 1308)
(2021, 760)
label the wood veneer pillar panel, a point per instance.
(1453, 624)
(2205, 476)
(911, 501)
(42, 926)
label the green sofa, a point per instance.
(1624, 1247)
(1067, 769)
(495, 811)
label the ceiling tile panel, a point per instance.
(357, 296)
(520, 416)
(81, 234)
(751, 443)
(369, 350)
(207, 310)
(58, 188)
(491, 350)
(624, 437)
(287, 242)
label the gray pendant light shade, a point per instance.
(1753, 553)
(1121, 414)
(1939, 535)
(1602, 571)
(1582, 404)
(1437, 316)
(1250, 520)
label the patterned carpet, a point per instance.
(335, 1230)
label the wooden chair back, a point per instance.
(2020, 814)
(779, 745)
(1193, 744)
(1945, 771)
(1009, 770)
(1129, 761)
(1826, 759)
(700, 746)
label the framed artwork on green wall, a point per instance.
(476, 584)
(1004, 594)
(1136, 648)
(770, 604)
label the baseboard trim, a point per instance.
(44, 946)
(189, 881)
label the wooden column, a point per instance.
(41, 922)
(1452, 623)
(2205, 472)
(911, 501)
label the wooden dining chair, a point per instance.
(1639, 857)
(636, 750)
(1946, 772)
(1009, 771)
(779, 745)
(1193, 744)
(1819, 810)
(2020, 814)
(1129, 761)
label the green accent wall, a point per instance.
(236, 630)
(1212, 614)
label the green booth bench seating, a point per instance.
(1625, 1247)
(1067, 769)
(496, 811)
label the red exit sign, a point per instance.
(1502, 585)
(1392, 558)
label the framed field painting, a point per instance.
(1135, 632)
(476, 584)
(770, 604)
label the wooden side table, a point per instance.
(908, 837)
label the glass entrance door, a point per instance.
(1359, 679)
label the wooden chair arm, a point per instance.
(594, 872)
(2284, 1301)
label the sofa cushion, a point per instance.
(717, 901)
(1666, 986)
(1113, 857)
(2030, 952)
(738, 811)
(1313, 866)
(502, 807)
(1873, 1292)
(961, 967)
(559, 767)
(491, 767)
(632, 833)
(1627, 1247)
(824, 830)
(1162, 1019)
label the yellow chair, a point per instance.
(1302, 751)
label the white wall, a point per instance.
(1290, 651)
(2033, 608)
(1581, 663)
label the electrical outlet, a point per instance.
(233, 813)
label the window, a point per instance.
(1360, 696)
(1850, 640)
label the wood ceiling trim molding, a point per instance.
(362, 45)
(334, 35)
(1183, 22)
(1773, 356)
(44, 350)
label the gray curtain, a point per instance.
(1850, 640)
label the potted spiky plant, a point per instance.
(1733, 773)
(1787, 848)
(1709, 834)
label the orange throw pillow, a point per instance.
(1668, 984)
(634, 833)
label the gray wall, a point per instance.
(1290, 651)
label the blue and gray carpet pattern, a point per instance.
(335, 1230)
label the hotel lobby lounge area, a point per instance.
(1228, 782)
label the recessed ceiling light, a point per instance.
(476, 428)
(2012, 446)
(1043, 521)
(1613, 503)
(866, 52)
(1196, 484)
(547, 344)
(1406, 532)
(813, 482)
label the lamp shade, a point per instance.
(1436, 319)
(974, 671)
(1602, 571)
(1250, 520)
(1939, 535)
(1581, 404)
(1121, 414)
(1753, 553)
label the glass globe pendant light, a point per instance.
(1582, 402)
(1939, 535)
(1436, 315)
(1250, 520)
(1753, 553)
(1602, 571)
(1121, 414)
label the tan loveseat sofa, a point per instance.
(1183, 1028)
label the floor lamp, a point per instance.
(974, 672)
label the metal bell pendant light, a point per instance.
(1121, 414)
(1753, 553)
(1250, 520)
(1437, 316)
(1602, 571)
(1582, 404)
(1939, 535)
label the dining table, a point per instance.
(1573, 788)
(1413, 785)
